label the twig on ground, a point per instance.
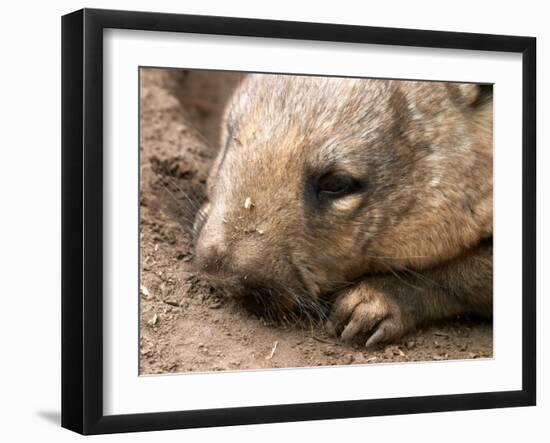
(273, 351)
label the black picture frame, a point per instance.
(82, 218)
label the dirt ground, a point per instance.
(185, 325)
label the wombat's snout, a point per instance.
(211, 253)
(214, 257)
(242, 267)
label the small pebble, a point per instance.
(154, 320)
(248, 203)
(144, 291)
(391, 351)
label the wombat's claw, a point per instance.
(362, 313)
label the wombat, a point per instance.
(371, 197)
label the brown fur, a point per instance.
(413, 246)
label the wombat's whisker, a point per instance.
(422, 277)
(307, 306)
(405, 257)
(200, 219)
(186, 216)
(171, 194)
(411, 272)
(195, 202)
(202, 138)
(389, 268)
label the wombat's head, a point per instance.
(321, 180)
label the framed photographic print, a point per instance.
(269, 221)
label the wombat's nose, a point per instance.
(211, 257)
(211, 251)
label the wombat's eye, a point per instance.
(333, 185)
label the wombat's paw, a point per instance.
(363, 312)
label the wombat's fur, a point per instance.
(375, 195)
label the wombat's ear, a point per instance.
(464, 94)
